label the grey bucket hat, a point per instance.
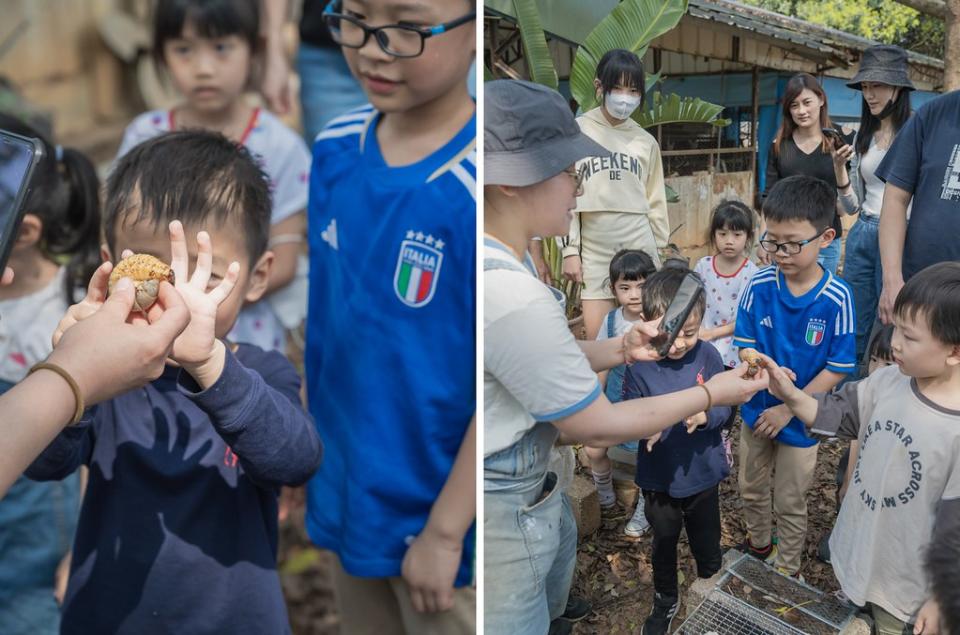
(529, 134)
(884, 64)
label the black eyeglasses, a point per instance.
(577, 176)
(399, 40)
(791, 248)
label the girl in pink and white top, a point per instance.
(726, 275)
(209, 50)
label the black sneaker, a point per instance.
(664, 610)
(577, 609)
(560, 626)
(823, 549)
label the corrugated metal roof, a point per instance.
(823, 42)
(572, 20)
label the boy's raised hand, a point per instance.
(695, 422)
(197, 349)
(96, 294)
(781, 380)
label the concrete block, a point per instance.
(586, 505)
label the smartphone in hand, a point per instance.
(677, 313)
(835, 136)
(19, 156)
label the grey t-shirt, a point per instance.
(907, 472)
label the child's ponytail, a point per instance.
(65, 196)
(77, 233)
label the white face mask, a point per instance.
(621, 105)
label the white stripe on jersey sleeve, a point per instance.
(466, 178)
(357, 114)
(331, 133)
(841, 297)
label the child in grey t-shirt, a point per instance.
(906, 419)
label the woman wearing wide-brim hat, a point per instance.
(885, 83)
(538, 381)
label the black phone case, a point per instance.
(8, 232)
(677, 313)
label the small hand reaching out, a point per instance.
(695, 422)
(652, 441)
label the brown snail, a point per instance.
(147, 272)
(751, 357)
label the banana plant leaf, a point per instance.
(488, 74)
(535, 51)
(632, 25)
(673, 108)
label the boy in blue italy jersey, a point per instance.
(801, 316)
(390, 358)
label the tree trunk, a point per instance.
(949, 11)
(937, 8)
(951, 51)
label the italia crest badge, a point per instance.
(418, 268)
(815, 331)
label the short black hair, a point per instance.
(881, 346)
(631, 264)
(190, 175)
(934, 292)
(801, 198)
(732, 215)
(211, 19)
(623, 67)
(661, 287)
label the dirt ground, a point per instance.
(614, 574)
(305, 573)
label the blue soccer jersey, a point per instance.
(391, 327)
(806, 334)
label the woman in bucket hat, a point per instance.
(538, 381)
(886, 86)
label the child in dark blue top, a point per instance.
(679, 470)
(178, 528)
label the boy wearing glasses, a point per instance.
(802, 316)
(392, 226)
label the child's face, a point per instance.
(629, 294)
(210, 73)
(228, 243)
(730, 243)
(917, 352)
(687, 338)
(402, 84)
(876, 363)
(795, 231)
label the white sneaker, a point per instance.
(637, 525)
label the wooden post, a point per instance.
(755, 104)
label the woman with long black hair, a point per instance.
(886, 86)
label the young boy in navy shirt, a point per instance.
(391, 325)
(803, 317)
(679, 470)
(178, 528)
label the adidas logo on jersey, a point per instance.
(329, 235)
(767, 322)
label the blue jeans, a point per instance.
(327, 89)
(829, 258)
(37, 522)
(862, 271)
(530, 538)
